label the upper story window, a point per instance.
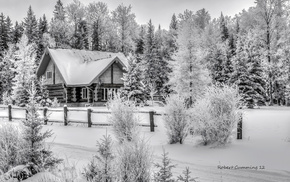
(48, 75)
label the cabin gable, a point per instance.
(52, 75)
(113, 75)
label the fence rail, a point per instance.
(46, 112)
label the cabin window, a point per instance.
(85, 93)
(48, 75)
(108, 93)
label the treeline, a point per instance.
(249, 51)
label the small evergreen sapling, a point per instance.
(186, 177)
(164, 174)
(35, 150)
(100, 169)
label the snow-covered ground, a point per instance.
(265, 148)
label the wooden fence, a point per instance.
(66, 120)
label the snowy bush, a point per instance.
(176, 119)
(133, 162)
(11, 146)
(122, 118)
(216, 114)
(55, 103)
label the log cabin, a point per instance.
(81, 77)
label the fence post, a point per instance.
(45, 115)
(9, 112)
(151, 117)
(65, 115)
(89, 117)
(240, 127)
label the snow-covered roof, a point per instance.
(80, 67)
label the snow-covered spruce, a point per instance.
(215, 115)
(176, 118)
(35, 150)
(164, 173)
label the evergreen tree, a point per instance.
(172, 35)
(174, 23)
(7, 72)
(249, 73)
(42, 29)
(81, 36)
(141, 41)
(164, 173)
(153, 73)
(134, 89)
(9, 29)
(4, 38)
(30, 27)
(101, 167)
(25, 71)
(186, 177)
(17, 33)
(223, 28)
(35, 150)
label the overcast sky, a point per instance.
(160, 11)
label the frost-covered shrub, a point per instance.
(122, 118)
(176, 119)
(11, 146)
(55, 103)
(216, 114)
(133, 162)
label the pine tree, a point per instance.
(186, 177)
(174, 23)
(164, 173)
(9, 29)
(134, 89)
(35, 151)
(25, 71)
(7, 72)
(30, 26)
(172, 34)
(4, 38)
(141, 41)
(223, 28)
(249, 73)
(153, 62)
(81, 37)
(17, 33)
